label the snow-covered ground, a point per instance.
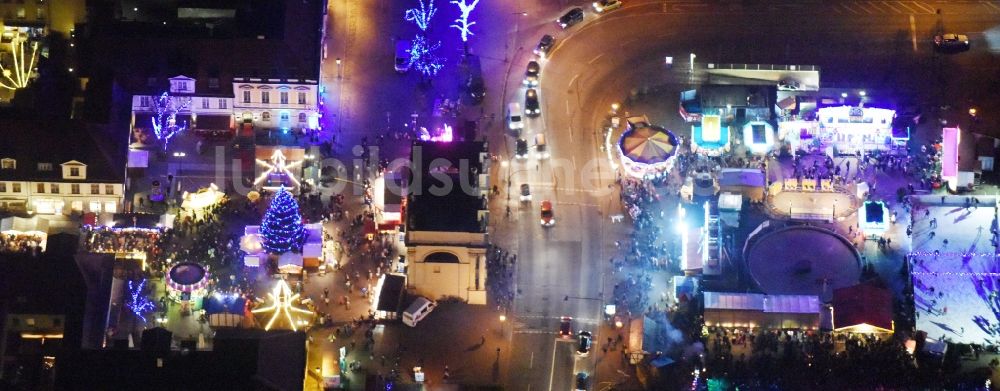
(955, 273)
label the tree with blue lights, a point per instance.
(137, 301)
(423, 57)
(421, 16)
(282, 229)
(462, 23)
(165, 124)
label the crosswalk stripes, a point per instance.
(881, 7)
(991, 7)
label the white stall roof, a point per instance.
(24, 225)
(741, 177)
(791, 304)
(730, 201)
(734, 301)
(785, 304)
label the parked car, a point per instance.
(570, 18)
(789, 85)
(514, 120)
(582, 382)
(531, 107)
(951, 42)
(606, 5)
(525, 192)
(521, 149)
(544, 45)
(584, 340)
(531, 74)
(565, 323)
(476, 88)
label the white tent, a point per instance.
(22, 225)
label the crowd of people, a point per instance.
(21, 243)
(120, 240)
(500, 275)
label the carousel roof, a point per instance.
(648, 144)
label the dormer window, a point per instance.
(181, 84)
(151, 82)
(213, 83)
(74, 171)
(8, 164)
(44, 166)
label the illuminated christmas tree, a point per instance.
(282, 229)
(137, 301)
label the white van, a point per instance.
(540, 147)
(418, 311)
(515, 118)
(402, 56)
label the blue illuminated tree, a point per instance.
(281, 228)
(422, 16)
(423, 57)
(462, 23)
(164, 120)
(137, 301)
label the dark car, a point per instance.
(952, 42)
(582, 382)
(531, 103)
(544, 45)
(565, 327)
(476, 88)
(525, 192)
(521, 149)
(531, 74)
(571, 18)
(585, 339)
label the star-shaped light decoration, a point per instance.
(282, 303)
(277, 165)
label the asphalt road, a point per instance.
(884, 45)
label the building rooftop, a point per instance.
(241, 359)
(445, 197)
(34, 141)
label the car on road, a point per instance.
(541, 147)
(544, 45)
(565, 323)
(548, 217)
(789, 85)
(521, 149)
(582, 382)
(606, 5)
(476, 88)
(525, 192)
(531, 74)
(514, 120)
(570, 18)
(531, 107)
(584, 340)
(951, 42)
(402, 61)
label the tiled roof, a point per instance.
(33, 141)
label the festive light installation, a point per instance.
(165, 124)
(421, 16)
(277, 165)
(137, 301)
(422, 56)
(20, 73)
(282, 301)
(281, 228)
(462, 23)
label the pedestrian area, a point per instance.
(954, 269)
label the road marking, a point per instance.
(573, 79)
(994, 7)
(531, 361)
(594, 59)
(578, 204)
(552, 368)
(913, 32)
(927, 8)
(901, 4)
(863, 8)
(849, 9)
(567, 107)
(886, 3)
